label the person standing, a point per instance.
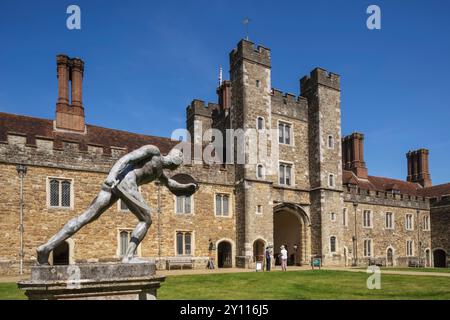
(268, 258)
(284, 257)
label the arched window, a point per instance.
(260, 171)
(260, 123)
(333, 244)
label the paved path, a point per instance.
(179, 272)
(277, 269)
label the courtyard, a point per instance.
(301, 284)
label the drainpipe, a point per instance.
(355, 238)
(419, 244)
(21, 170)
(158, 184)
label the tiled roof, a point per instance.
(103, 137)
(436, 191)
(382, 184)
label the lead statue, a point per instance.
(136, 168)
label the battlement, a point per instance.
(246, 50)
(386, 198)
(286, 97)
(199, 108)
(287, 104)
(318, 77)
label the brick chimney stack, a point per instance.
(224, 93)
(70, 114)
(353, 154)
(418, 167)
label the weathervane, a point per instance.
(246, 21)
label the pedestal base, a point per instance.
(99, 281)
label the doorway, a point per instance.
(390, 257)
(61, 254)
(439, 257)
(224, 256)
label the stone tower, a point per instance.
(322, 89)
(251, 99)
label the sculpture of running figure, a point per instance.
(138, 167)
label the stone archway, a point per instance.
(224, 254)
(439, 258)
(291, 229)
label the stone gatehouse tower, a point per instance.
(316, 196)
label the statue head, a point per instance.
(173, 159)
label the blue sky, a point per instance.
(149, 59)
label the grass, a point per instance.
(441, 270)
(317, 284)
(311, 284)
(9, 291)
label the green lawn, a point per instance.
(442, 270)
(9, 291)
(317, 284)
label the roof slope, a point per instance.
(381, 183)
(34, 128)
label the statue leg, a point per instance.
(100, 204)
(143, 213)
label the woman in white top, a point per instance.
(284, 257)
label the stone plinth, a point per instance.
(97, 281)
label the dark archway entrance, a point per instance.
(258, 250)
(289, 230)
(439, 257)
(61, 254)
(224, 255)
(390, 257)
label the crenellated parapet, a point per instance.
(246, 50)
(318, 77)
(289, 105)
(385, 198)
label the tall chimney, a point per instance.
(70, 114)
(62, 64)
(353, 154)
(224, 93)
(77, 82)
(418, 167)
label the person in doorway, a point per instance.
(284, 257)
(268, 258)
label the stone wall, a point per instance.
(440, 225)
(382, 237)
(99, 240)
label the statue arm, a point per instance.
(178, 188)
(145, 152)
